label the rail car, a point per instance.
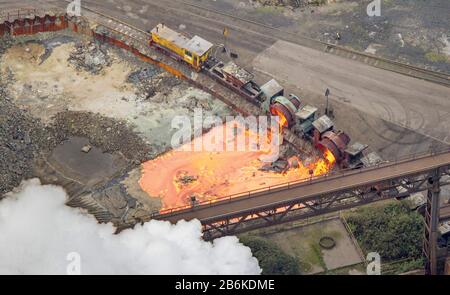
(194, 51)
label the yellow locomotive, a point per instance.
(194, 51)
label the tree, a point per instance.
(393, 231)
(272, 259)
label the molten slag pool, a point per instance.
(179, 175)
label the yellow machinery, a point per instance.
(194, 51)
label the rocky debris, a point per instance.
(144, 81)
(187, 179)
(110, 135)
(86, 149)
(143, 75)
(116, 206)
(52, 42)
(279, 166)
(90, 56)
(183, 178)
(293, 3)
(6, 78)
(152, 80)
(21, 139)
(5, 42)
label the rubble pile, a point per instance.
(6, 78)
(185, 179)
(152, 80)
(5, 43)
(90, 57)
(21, 139)
(108, 134)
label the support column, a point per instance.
(431, 224)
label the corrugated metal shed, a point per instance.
(323, 124)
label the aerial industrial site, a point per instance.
(225, 137)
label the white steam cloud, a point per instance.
(38, 231)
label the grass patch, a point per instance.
(436, 57)
(272, 259)
(303, 244)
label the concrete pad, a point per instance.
(344, 253)
(303, 243)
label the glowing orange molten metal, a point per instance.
(177, 176)
(283, 121)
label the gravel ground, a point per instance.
(414, 31)
(21, 139)
(24, 138)
(109, 134)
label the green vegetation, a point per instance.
(317, 2)
(318, 255)
(393, 231)
(359, 268)
(436, 57)
(272, 259)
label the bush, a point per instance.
(436, 57)
(272, 259)
(393, 231)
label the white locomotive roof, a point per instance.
(197, 45)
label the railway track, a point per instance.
(140, 38)
(376, 61)
(246, 25)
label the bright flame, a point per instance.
(179, 175)
(283, 121)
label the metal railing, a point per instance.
(300, 182)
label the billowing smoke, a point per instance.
(39, 234)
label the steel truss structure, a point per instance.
(297, 209)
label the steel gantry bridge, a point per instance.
(330, 193)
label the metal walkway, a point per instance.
(382, 178)
(332, 193)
